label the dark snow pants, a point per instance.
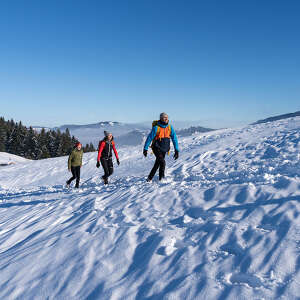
(107, 166)
(159, 163)
(76, 175)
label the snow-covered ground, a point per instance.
(8, 159)
(224, 225)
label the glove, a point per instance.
(145, 152)
(176, 155)
(118, 162)
(98, 164)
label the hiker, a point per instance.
(74, 164)
(105, 155)
(160, 138)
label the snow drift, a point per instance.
(225, 224)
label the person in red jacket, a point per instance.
(105, 155)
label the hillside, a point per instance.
(8, 159)
(280, 117)
(224, 225)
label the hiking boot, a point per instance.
(104, 179)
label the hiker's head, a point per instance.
(164, 118)
(108, 135)
(78, 146)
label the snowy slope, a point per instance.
(7, 158)
(225, 225)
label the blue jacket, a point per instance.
(153, 132)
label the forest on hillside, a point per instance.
(15, 138)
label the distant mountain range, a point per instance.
(132, 134)
(280, 117)
(93, 133)
(192, 130)
(137, 137)
(125, 134)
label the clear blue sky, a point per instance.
(220, 62)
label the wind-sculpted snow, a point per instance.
(224, 225)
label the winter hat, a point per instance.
(106, 133)
(77, 144)
(163, 114)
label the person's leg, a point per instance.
(105, 168)
(156, 164)
(77, 173)
(110, 166)
(162, 165)
(73, 176)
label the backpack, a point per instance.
(155, 123)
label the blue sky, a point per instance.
(223, 63)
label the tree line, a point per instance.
(15, 138)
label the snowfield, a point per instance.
(9, 159)
(224, 225)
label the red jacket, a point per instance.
(104, 150)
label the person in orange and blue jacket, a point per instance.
(160, 136)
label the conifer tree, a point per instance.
(92, 148)
(32, 149)
(51, 143)
(67, 143)
(20, 140)
(3, 130)
(42, 142)
(58, 143)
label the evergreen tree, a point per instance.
(89, 148)
(67, 143)
(74, 140)
(22, 135)
(43, 142)
(58, 143)
(13, 140)
(51, 143)
(3, 129)
(19, 140)
(92, 148)
(32, 149)
(86, 148)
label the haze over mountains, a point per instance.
(133, 134)
(126, 134)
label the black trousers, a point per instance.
(76, 175)
(159, 163)
(107, 166)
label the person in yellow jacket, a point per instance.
(74, 164)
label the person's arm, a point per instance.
(81, 158)
(115, 150)
(100, 149)
(174, 139)
(150, 137)
(70, 160)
